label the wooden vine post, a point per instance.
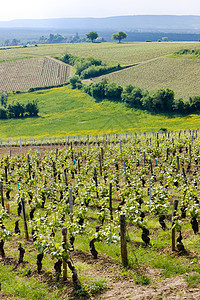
(71, 204)
(175, 206)
(24, 219)
(144, 158)
(123, 240)
(151, 167)
(6, 174)
(178, 166)
(29, 166)
(101, 153)
(54, 170)
(167, 154)
(2, 199)
(100, 164)
(150, 189)
(64, 242)
(190, 150)
(121, 149)
(184, 175)
(96, 182)
(66, 182)
(110, 201)
(125, 172)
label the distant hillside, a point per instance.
(154, 23)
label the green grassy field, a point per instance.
(64, 111)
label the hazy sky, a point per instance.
(36, 9)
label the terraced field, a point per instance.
(23, 74)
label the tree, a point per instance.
(113, 91)
(7, 43)
(179, 105)
(32, 108)
(75, 81)
(194, 103)
(16, 110)
(15, 42)
(120, 35)
(165, 39)
(92, 35)
(3, 99)
(3, 113)
(163, 100)
(98, 89)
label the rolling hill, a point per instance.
(132, 22)
(64, 111)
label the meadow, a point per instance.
(67, 112)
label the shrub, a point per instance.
(98, 90)
(16, 110)
(94, 71)
(163, 100)
(83, 64)
(32, 108)
(69, 59)
(3, 113)
(75, 81)
(113, 91)
(179, 105)
(194, 103)
(132, 96)
(3, 99)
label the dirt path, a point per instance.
(170, 288)
(121, 287)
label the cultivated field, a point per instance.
(155, 68)
(16, 53)
(89, 185)
(180, 75)
(124, 53)
(36, 72)
(128, 53)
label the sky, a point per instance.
(44, 9)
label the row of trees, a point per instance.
(159, 101)
(58, 38)
(17, 110)
(13, 42)
(162, 100)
